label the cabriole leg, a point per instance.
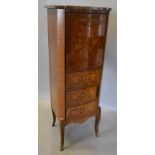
(97, 121)
(62, 128)
(54, 118)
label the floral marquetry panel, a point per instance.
(81, 113)
(83, 79)
(85, 41)
(78, 97)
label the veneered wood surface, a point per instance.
(83, 79)
(80, 9)
(85, 37)
(81, 113)
(97, 120)
(76, 37)
(56, 42)
(80, 96)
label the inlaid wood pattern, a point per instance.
(81, 113)
(85, 37)
(83, 79)
(81, 96)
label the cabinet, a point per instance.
(76, 39)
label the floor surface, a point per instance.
(80, 139)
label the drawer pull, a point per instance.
(83, 95)
(85, 78)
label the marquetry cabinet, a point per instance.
(76, 39)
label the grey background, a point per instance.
(109, 82)
(79, 138)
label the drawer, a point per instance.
(81, 96)
(83, 79)
(81, 113)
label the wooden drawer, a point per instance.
(81, 96)
(81, 113)
(83, 79)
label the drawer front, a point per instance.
(83, 79)
(85, 40)
(81, 113)
(78, 97)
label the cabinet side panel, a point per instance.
(104, 46)
(56, 58)
(61, 61)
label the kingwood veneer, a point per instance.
(76, 39)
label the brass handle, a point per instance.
(83, 95)
(85, 77)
